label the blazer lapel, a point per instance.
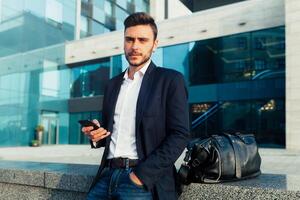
(143, 94)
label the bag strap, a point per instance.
(236, 149)
(191, 148)
(217, 180)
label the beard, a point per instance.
(143, 60)
(136, 64)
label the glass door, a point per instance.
(50, 122)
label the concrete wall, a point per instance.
(292, 21)
(226, 20)
(177, 9)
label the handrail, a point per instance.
(205, 115)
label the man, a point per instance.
(144, 126)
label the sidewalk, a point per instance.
(274, 161)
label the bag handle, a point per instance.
(238, 169)
(217, 180)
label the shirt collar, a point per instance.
(141, 72)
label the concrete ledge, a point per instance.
(31, 179)
(15, 191)
(266, 186)
(34, 180)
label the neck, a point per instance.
(133, 69)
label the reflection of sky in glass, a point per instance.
(176, 57)
(54, 10)
(124, 63)
(157, 57)
(50, 83)
(80, 70)
(191, 46)
(11, 90)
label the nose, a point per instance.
(135, 45)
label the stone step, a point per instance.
(36, 180)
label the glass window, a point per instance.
(264, 118)
(97, 28)
(76, 136)
(90, 79)
(83, 26)
(99, 3)
(98, 15)
(54, 11)
(108, 8)
(122, 4)
(181, 63)
(26, 26)
(53, 88)
(241, 57)
(116, 65)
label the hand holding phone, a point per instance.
(86, 123)
(97, 133)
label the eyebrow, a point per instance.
(139, 38)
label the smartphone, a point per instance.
(85, 123)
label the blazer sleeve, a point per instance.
(177, 127)
(103, 123)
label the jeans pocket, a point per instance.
(133, 183)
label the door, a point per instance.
(51, 125)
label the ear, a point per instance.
(155, 45)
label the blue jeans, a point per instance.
(116, 184)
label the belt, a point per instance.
(121, 162)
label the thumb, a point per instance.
(96, 122)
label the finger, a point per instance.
(96, 122)
(105, 135)
(98, 133)
(101, 137)
(87, 129)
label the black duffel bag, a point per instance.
(220, 158)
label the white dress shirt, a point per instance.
(123, 140)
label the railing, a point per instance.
(206, 115)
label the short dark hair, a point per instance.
(141, 18)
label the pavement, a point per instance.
(274, 161)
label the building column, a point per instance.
(292, 25)
(77, 20)
(157, 9)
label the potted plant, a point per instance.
(39, 133)
(35, 143)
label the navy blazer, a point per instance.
(162, 127)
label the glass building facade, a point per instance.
(235, 82)
(25, 25)
(101, 16)
(35, 83)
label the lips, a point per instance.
(135, 55)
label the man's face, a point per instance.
(139, 44)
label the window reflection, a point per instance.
(76, 136)
(264, 118)
(102, 16)
(26, 25)
(90, 79)
(50, 83)
(239, 57)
